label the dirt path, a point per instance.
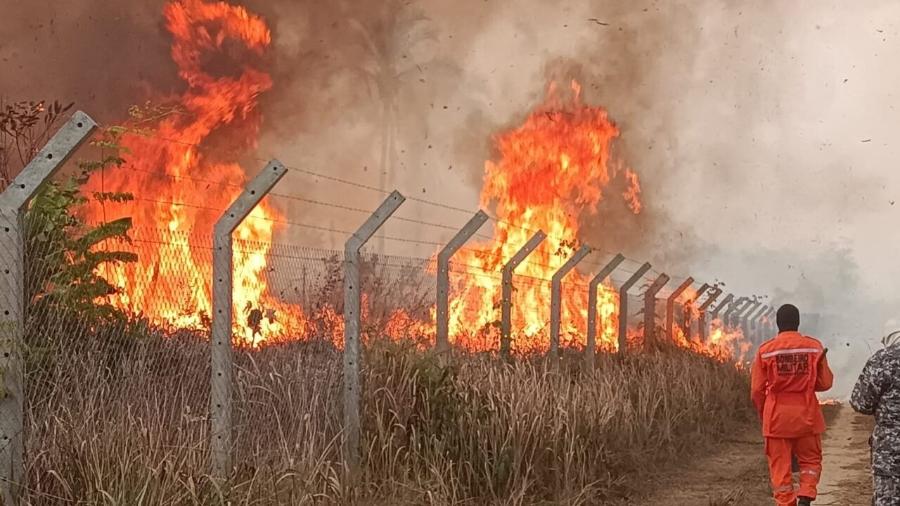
(845, 478)
(735, 472)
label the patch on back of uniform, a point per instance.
(792, 364)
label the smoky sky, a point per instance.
(762, 131)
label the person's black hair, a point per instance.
(788, 318)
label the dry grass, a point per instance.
(127, 426)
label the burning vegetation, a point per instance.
(549, 174)
(132, 390)
(550, 170)
(180, 152)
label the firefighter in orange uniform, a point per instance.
(787, 372)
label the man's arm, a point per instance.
(868, 389)
(824, 376)
(758, 384)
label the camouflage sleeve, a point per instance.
(867, 392)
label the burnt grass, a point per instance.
(127, 424)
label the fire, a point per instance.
(167, 164)
(723, 343)
(550, 170)
(549, 173)
(728, 341)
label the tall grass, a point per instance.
(132, 428)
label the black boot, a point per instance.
(804, 501)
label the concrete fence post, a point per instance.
(743, 317)
(727, 320)
(688, 309)
(760, 324)
(352, 324)
(718, 309)
(650, 337)
(221, 342)
(701, 314)
(702, 291)
(590, 348)
(556, 300)
(771, 323)
(670, 307)
(507, 290)
(623, 306)
(13, 206)
(744, 310)
(756, 325)
(442, 332)
(728, 300)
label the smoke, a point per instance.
(750, 129)
(103, 55)
(760, 131)
(777, 141)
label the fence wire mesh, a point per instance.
(116, 356)
(117, 330)
(117, 343)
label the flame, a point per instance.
(690, 311)
(728, 341)
(550, 170)
(549, 173)
(167, 164)
(723, 343)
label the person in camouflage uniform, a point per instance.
(877, 392)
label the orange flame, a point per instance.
(550, 170)
(203, 34)
(725, 344)
(728, 341)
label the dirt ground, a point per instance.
(735, 473)
(846, 480)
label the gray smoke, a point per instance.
(761, 130)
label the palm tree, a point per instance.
(390, 39)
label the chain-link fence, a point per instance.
(117, 326)
(126, 372)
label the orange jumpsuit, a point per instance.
(787, 372)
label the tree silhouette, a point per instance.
(391, 39)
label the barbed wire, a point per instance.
(182, 204)
(345, 232)
(308, 200)
(324, 254)
(369, 212)
(455, 266)
(626, 260)
(320, 175)
(178, 177)
(315, 174)
(348, 233)
(313, 227)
